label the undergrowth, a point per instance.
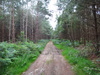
(80, 64)
(16, 58)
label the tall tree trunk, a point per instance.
(32, 29)
(26, 21)
(72, 34)
(10, 27)
(3, 22)
(26, 26)
(96, 28)
(84, 32)
(23, 23)
(3, 31)
(36, 29)
(23, 19)
(13, 26)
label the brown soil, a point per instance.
(50, 62)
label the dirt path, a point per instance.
(50, 62)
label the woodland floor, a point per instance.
(50, 62)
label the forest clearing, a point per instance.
(49, 37)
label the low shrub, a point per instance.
(16, 58)
(81, 65)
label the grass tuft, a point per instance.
(81, 65)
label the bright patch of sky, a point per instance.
(53, 7)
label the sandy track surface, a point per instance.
(50, 62)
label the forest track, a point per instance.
(50, 62)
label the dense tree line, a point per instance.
(22, 22)
(80, 20)
(25, 17)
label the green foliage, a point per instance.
(46, 28)
(42, 9)
(16, 58)
(21, 37)
(87, 51)
(75, 21)
(81, 65)
(66, 42)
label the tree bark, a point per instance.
(96, 28)
(13, 26)
(3, 23)
(10, 27)
(32, 29)
(26, 21)
(3, 31)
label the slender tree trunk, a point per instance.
(84, 32)
(26, 22)
(10, 27)
(88, 34)
(36, 29)
(23, 19)
(3, 31)
(26, 27)
(72, 35)
(32, 29)
(23, 23)
(96, 28)
(13, 26)
(32, 36)
(79, 35)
